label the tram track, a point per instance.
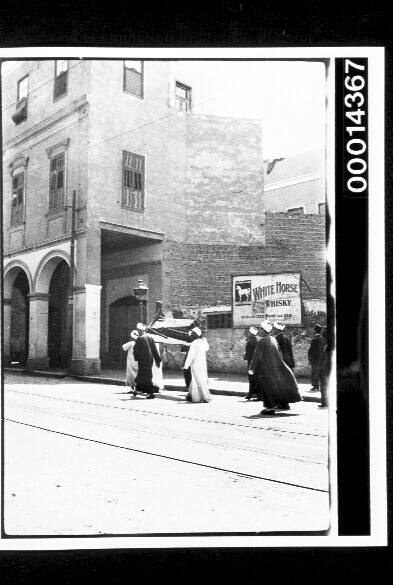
(172, 415)
(174, 436)
(171, 458)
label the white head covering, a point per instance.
(197, 331)
(141, 326)
(134, 334)
(253, 330)
(265, 325)
(278, 326)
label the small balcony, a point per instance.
(20, 113)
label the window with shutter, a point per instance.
(56, 190)
(17, 199)
(183, 97)
(133, 181)
(61, 79)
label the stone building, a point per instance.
(296, 183)
(162, 194)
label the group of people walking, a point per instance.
(270, 368)
(271, 365)
(144, 365)
(269, 357)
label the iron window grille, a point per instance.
(17, 200)
(219, 321)
(133, 78)
(56, 190)
(61, 78)
(183, 97)
(133, 181)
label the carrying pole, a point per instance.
(70, 320)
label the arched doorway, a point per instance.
(19, 339)
(57, 315)
(123, 316)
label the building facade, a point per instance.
(163, 195)
(296, 184)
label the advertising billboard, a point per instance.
(275, 297)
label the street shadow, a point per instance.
(271, 416)
(243, 400)
(172, 398)
(132, 398)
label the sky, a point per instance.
(287, 96)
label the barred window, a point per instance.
(133, 78)
(183, 97)
(219, 321)
(61, 78)
(133, 181)
(56, 189)
(17, 199)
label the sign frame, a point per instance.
(272, 273)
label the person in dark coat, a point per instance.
(314, 357)
(324, 370)
(145, 351)
(275, 379)
(251, 343)
(285, 346)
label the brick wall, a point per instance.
(200, 274)
(197, 276)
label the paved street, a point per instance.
(84, 458)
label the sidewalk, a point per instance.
(223, 384)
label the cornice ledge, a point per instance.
(47, 123)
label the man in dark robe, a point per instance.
(145, 351)
(285, 346)
(314, 357)
(275, 379)
(252, 340)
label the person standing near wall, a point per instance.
(314, 357)
(132, 364)
(145, 351)
(324, 371)
(196, 360)
(251, 343)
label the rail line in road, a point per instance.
(171, 415)
(171, 436)
(168, 457)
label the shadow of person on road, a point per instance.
(271, 416)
